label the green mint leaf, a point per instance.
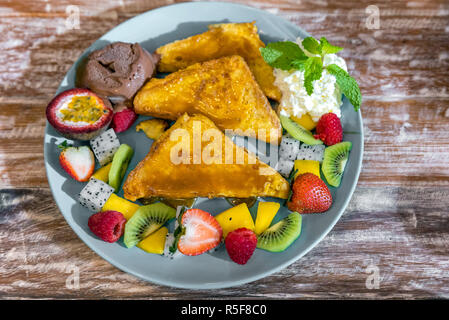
(312, 72)
(347, 85)
(327, 48)
(282, 54)
(298, 64)
(311, 45)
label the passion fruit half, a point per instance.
(79, 114)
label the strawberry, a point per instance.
(78, 162)
(241, 244)
(329, 129)
(123, 119)
(310, 195)
(201, 232)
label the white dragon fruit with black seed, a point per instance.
(95, 194)
(169, 241)
(289, 147)
(307, 152)
(104, 146)
(284, 167)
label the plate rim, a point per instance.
(227, 283)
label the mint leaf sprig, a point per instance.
(287, 55)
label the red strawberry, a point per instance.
(310, 195)
(240, 245)
(201, 232)
(107, 225)
(329, 129)
(78, 162)
(123, 119)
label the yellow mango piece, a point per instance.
(304, 166)
(115, 203)
(265, 214)
(153, 128)
(305, 121)
(234, 218)
(155, 242)
(103, 173)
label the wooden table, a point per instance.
(396, 226)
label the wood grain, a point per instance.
(397, 220)
(399, 230)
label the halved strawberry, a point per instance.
(201, 232)
(78, 162)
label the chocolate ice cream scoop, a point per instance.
(117, 70)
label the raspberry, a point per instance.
(240, 245)
(123, 119)
(329, 129)
(107, 225)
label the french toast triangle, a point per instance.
(195, 159)
(221, 40)
(224, 90)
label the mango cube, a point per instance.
(304, 166)
(305, 121)
(265, 214)
(115, 203)
(155, 242)
(234, 218)
(103, 173)
(153, 128)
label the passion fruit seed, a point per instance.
(83, 109)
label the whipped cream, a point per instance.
(326, 96)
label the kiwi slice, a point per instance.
(145, 221)
(281, 235)
(334, 162)
(298, 132)
(119, 165)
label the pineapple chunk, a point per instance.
(103, 173)
(234, 218)
(155, 242)
(153, 128)
(305, 121)
(304, 166)
(115, 203)
(265, 214)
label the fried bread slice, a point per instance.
(222, 89)
(195, 159)
(219, 41)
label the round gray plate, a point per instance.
(212, 270)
